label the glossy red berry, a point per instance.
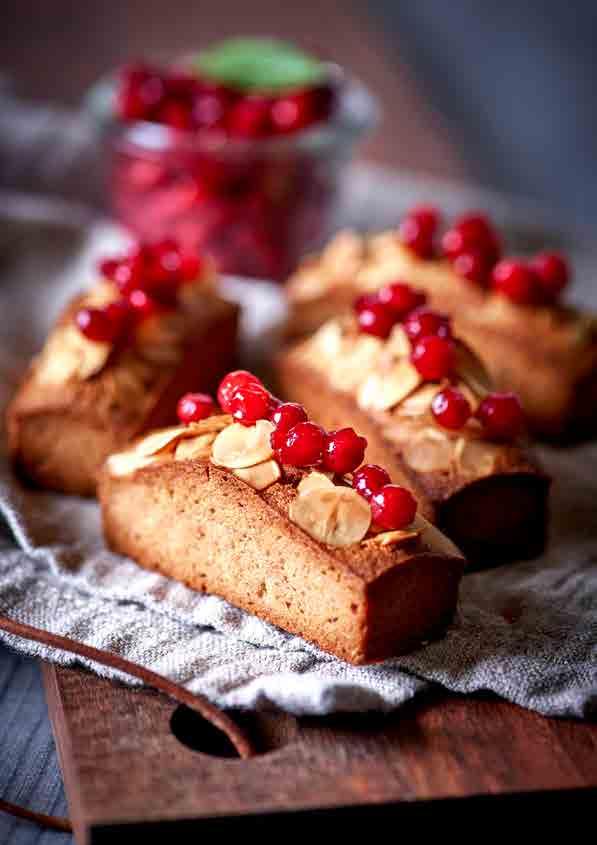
(343, 451)
(433, 357)
(501, 416)
(417, 230)
(127, 275)
(250, 403)
(175, 114)
(364, 301)
(514, 279)
(393, 507)
(303, 446)
(235, 379)
(293, 112)
(370, 478)
(143, 305)
(250, 117)
(193, 407)
(191, 265)
(97, 324)
(473, 265)
(401, 298)
(140, 93)
(450, 408)
(423, 322)
(287, 415)
(553, 274)
(472, 231)
(210, 107)
(107, 268)
(376, 319)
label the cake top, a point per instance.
(335, 498)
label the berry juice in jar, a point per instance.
(238, 152)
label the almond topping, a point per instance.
(102, 294)
(160, 441)
(419, 402)
(398, 343)
(434, 539)
(336, 516)
(313, 480)
(69, 355)
(194, 448)
(261, 475)
(382, 392)
(126, 463)
(427, 453)
(239, 446)
(394, 538)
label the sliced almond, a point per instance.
(382, 392)
(261, 475)
(102, 294)
(394, 538)
(239, 446)
(427, 453)
(126, 463)
(328, 339)
(336, 516)
(398, 343)
(215, 423)
(160, 441)
(69, 355)
(419, 402)
(434, 539)
(476, 457)
(92, 357)
(360, 356)
(313, 480)
(343, 255)
(194, 448)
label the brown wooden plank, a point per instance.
(122, 764)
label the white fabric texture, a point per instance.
(526, 631)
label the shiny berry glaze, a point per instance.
(501, 416)
(287, 415)
(393, 507)
(516, 280)
(343, 451)
(450, 408)
(230, 382)
(423, 322)
(370, 478)
(433, 357)
(401, 298)
(376, 319)
(303, 446)
(250, 403)
(552, 272)
(193, 407)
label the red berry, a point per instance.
(141, 91)
(472, 231)
(417, 230)
(433, 357)
(293, 112)
(393, 507)
(364, 301)
(210, 107)
(120, 314)
(250, 117)
(376, 319)
(423, 322)
(235, 379)
(193, 407)
(108, 267)
(370, 478)
(97, 324)
(142, 304)
(516, 280)
(287, 415)
(450, 408)
(553, 273)
(501, 416)
(343, 451)
(191, 265)
(127, 275)
(250, 403)
(401, 298)
(175, 114)
(473, 265)
(303, 446)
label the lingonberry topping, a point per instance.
(376, 319)
(143, 305)
(127, 275)
(472, 231)
(250, 117)
(501, 416)
(401, 298)
(433, 357)
(553, 273)
(211, 106)
(98, 324)
(472, 264)
(343, 451)
(293, 112)
(370, 478)
(303, 446)
(393, 507)
(423, 322)
(250, 403)
(516, 280)
(287, 415)
(450, 408)
(234, 380)
(364, 301)
(193, 407)
(140, 94)
(417, 230)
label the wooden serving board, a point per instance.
(129, 767)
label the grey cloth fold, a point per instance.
(526, 631)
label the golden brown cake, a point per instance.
(82, 399)
(210, 504)
(544, 351)
(483, 491)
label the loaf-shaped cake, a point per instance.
(116, 362)
(426, 406)
(507, 310)
(269, 511)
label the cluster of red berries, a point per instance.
(148, 278)
(434, 356)
(301, 443)
(473, 248)
(184, 101)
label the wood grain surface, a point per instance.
(123, 765)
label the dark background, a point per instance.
(498, 93)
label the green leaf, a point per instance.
(259, 64)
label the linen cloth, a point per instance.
(526, 631)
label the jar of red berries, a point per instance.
(238, 151)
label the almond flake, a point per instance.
(343, 255)
(69, 355)
(239, 446)
(313, 480)
(382, 392)
(336, 516)
(434, 539)
(398, 343)
(126, 463)
(194, 448)
(215, 423)
(419, 402)
(428, 454)
(102, 294)
(394, 538)
(261, 475)
(477, 457)
(328, 339)
(160, 441)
